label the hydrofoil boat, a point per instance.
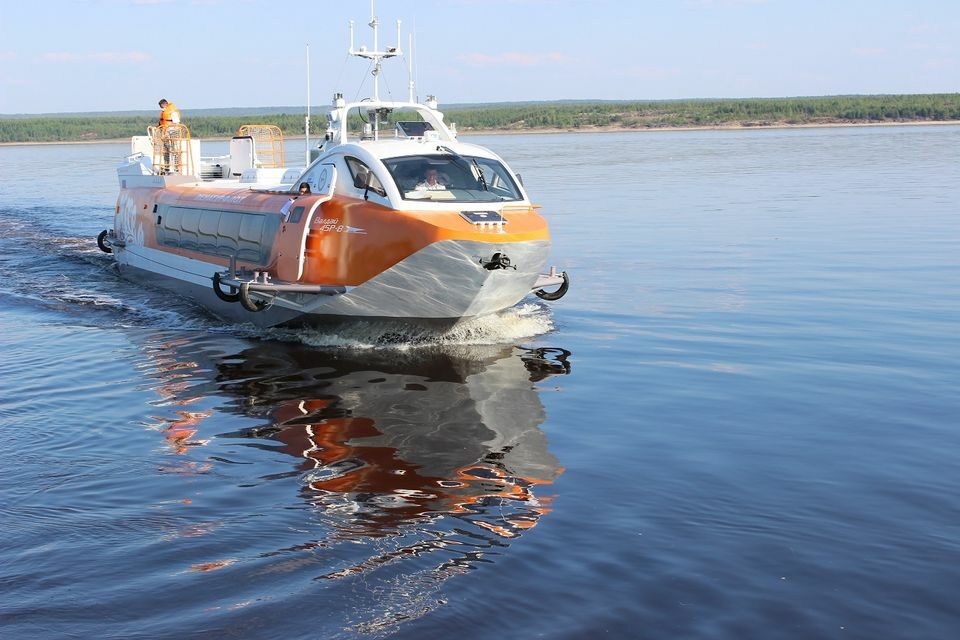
(391, 216)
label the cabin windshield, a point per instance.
(453, 178)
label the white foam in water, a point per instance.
(90, 298)
(509, 325)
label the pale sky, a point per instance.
(113, 55)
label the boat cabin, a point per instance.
(398, 154)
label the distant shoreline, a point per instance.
(736, 126)
(739, 126)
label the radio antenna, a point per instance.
(306, 123)
(375, 55)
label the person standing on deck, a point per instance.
(169, 115)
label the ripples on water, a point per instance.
(189, 482)
(161, 452)
(757, 440)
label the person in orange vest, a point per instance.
(169, 114)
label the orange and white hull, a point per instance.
(344, 258)
(417, 226)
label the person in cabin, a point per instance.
(169, 115)
(303, 190)
(431, 181)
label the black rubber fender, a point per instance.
(101, 242)
(559, 293)
(223, 295)
(249, 303)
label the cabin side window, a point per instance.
(363, 178)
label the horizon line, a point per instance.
(455, 105)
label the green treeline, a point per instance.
(85, 128)
(692, 113)
(532, 116)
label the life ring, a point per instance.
(559, 293)
(249, 303)
(101, 242)
(223, 295)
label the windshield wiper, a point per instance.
(483, 181)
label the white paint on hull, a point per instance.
(444, 282)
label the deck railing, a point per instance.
(171, 150)
(267, 143)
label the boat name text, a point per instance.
(333, 224)
(219, 198)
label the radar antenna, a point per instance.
(375, 55)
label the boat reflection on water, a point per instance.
(430, 462)
(410, 467)
(390, 439)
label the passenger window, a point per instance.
(317, 178)
(360, 174)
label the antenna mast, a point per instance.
(306, 124)
(409, 65)
(375, 55)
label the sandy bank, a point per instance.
(721, 127)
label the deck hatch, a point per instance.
(482, 217)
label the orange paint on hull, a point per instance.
(390, 236)
(348, 240)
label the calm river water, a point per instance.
(742, 421)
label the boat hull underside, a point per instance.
(442, 284)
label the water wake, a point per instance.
(510, 325)
(69, 274)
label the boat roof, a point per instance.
(395, 148)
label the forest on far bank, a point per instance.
(531, 116)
